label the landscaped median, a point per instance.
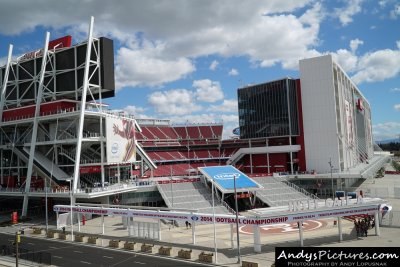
(185, 254)
(37, 231)
(52, 234)
(166, 251)
(116, 244)
(147, 248)
(81, 238)
(206, 257)
(129, 245)
(94, 240)
(249, 264)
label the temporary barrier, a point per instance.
(285, 217)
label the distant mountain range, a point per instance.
(394, 140)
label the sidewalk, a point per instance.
(181, 237)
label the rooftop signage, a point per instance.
(62, 42)
(224, 176)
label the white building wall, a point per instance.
(319, 113)
(334, 128)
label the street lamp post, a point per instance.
(331, 166)
(237, 218)
(46, 207)
(172, 192)
(215, 231)
(70, 195)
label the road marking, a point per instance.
(108, 257)
(31, 244)
(54, 247)
(140, 262)
(58, 257)
(78, 251)
(85, 262)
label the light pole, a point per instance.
(172, 192)
(331, 166)
(215, 231)
(70, 195)
(47, 213)
(237, 218)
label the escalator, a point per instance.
(42, 165)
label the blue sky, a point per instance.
(183, 60)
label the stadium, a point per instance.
(300, 140)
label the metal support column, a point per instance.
(35, 126)
(5, 80)
(339, 219)
(159, 229)
(301, 233)
(194, 233)
(257, 239)
(377, 229)
(102, 225)
(83, 104)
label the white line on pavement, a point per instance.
(53, 247)
(138, 262)
(76, 251)
(58, 257)
(85, 262)
(108, 257)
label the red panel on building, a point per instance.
(62, 42)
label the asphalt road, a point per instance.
(70, 254)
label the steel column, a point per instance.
(83, 105)
(35, 126)
(5, 81)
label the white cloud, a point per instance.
(395, 90)
(372, 66)
(386, 130)
(395, 13)
(397, 107)
(354, 44)
(133, 110)
(233, 72)
(228, 105)
(208, 91)
(155, 53)
(387, 126)
(346, 13)
(377, 66)
(346, 59)
(214, 65)
(173, 102)
(138, 67)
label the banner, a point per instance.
(120, 134)
(225, 218)
(349, 123)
